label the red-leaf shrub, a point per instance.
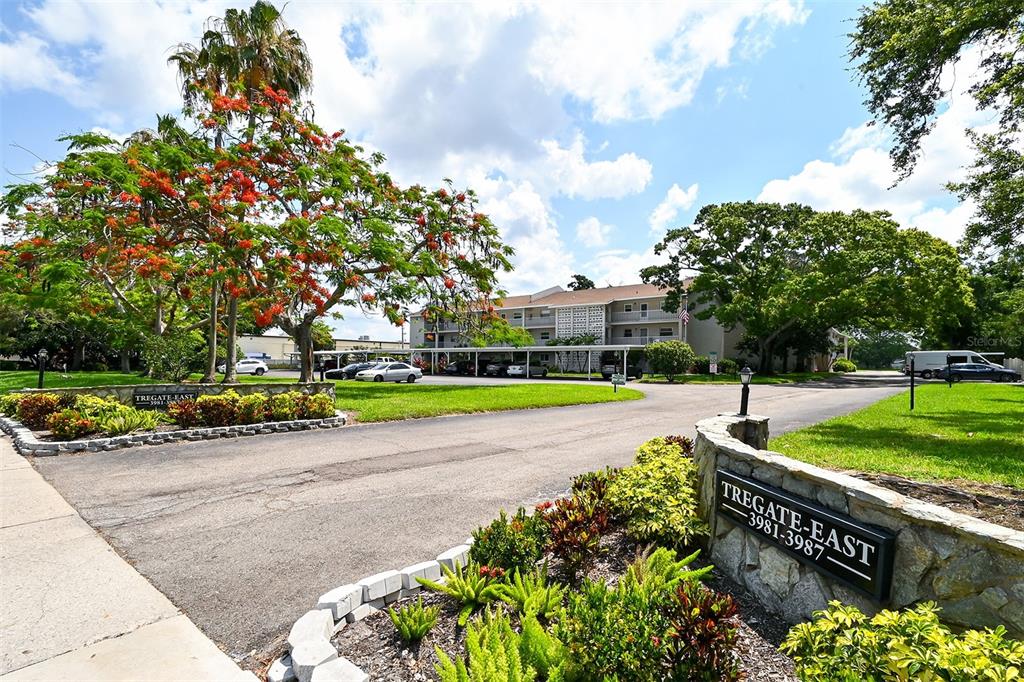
(70, 424)
(184, 413)
(701, 639)
(34, 409)
(575, 526)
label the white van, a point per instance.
(927, 362)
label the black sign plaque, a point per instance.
(834, 544)
(159, 397)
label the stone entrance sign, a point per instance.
(833, 544)
(159, 397)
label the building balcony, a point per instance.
(644, 316)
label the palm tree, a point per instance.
(257, 48)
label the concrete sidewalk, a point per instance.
(72, 609)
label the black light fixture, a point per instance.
(42, 355)
(745, 374)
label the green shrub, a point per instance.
(510, 544)
(252, 409)
(184, 413)
(69, 424)
(35, 408)
(9, 404)
(621, 632)
(493, 653)
(128, 420)
(669, 358)
(656, 497)
(533, 594)
(218, 410)
(317, 406)
(414, 621)
(472, 586)
(844, 365)
(575, 527)
(841, 643)
(726, 366)
(94, 406)
(284, 407)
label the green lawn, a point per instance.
(373, 402)
(788, 378)
(971, 431)
(11, 381)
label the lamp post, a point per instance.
(43, 355)
(745, 374)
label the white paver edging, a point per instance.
(26, 443)
(309, 660)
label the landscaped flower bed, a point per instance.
(606, 584)
(80, 421)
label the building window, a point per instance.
(628, 307)
(628, 333)
(643, 332)
(517, 316)
(665, 331)
(544, 336)
(503, 316)
(643, 310)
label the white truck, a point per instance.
(928, 362)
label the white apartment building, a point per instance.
(629, 315)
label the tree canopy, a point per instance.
(580, 282)
(772, 269)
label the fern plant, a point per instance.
(493, 654)
(532, 594)
(128, 420)
(414, 621)
(472, 586)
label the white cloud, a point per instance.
(592, 232)
(640, 60)
(621, 266)
(574, 176)
(676, 200)
(860, 174)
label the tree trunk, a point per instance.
(77, 356)
(211, 339)
(304, 339)
(126, 364)
(230, 342)
(765, 358)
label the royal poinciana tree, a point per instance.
(773, 269)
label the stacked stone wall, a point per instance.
(974, 570)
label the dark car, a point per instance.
(465, 367)
(348, 371)
(611, 363)
(977, 372)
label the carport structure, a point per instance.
(433, 353)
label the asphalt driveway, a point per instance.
(244, 535)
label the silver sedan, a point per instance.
(391, 371)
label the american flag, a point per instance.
(684, 316)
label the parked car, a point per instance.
(497, 368)
(977, 372)
(611, 363)
(928, 362)
(390, 371)
(348, 371)
(247, 366)
(465, 367)
(519, 370)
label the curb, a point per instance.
(26, 443)
(312, 657)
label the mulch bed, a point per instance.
(374, 646)
(999, 504)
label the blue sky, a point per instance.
(586, 129)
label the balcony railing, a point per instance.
(645, 316)
(640, 340)
(540, 321)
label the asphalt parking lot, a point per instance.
(244, 535)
